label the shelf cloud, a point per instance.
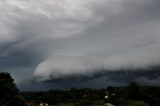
(59, 39)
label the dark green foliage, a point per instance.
(8, 90)
(132, 95)
(18, 101)
(79, 97)
(136, 103)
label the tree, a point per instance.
(18, 101)
(8, 89)
(136, 103)
(133, 91)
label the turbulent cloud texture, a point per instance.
(52, 39)
(50, 18)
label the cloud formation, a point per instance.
(50, 18)
(53, 39)
(68, 66)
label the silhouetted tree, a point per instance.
(8, 90)
(133, 91)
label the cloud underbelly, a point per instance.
(59, 67)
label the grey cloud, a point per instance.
(60, 39)
(148, 76)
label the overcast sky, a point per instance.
(69, 39)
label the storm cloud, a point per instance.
(57, 39)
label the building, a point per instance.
(43, 104)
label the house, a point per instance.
(43, 104)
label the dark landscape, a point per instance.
(79, 52)
(131, 95)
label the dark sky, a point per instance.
(81, 43)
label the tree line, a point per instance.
(131, 95)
